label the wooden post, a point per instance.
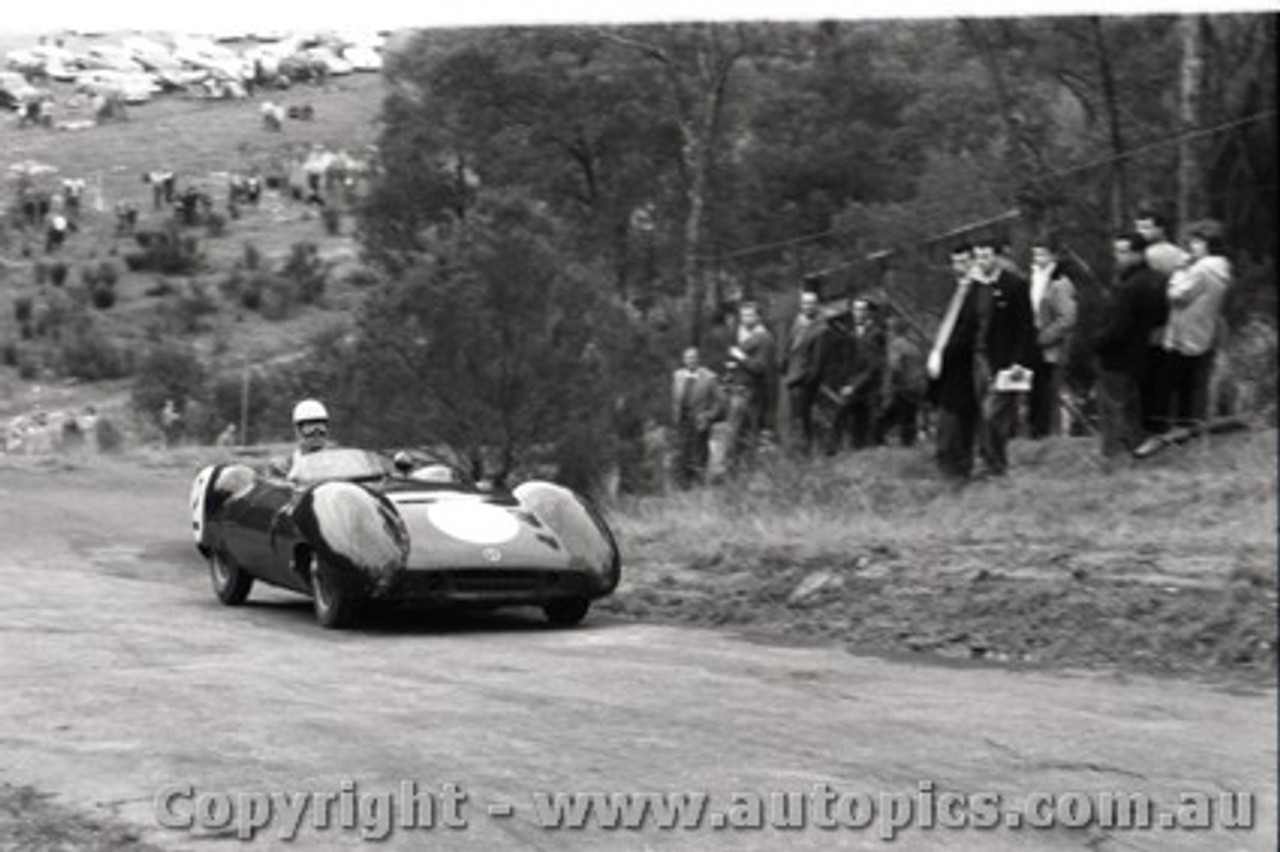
(244, 408)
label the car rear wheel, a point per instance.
(230, 583)
(335, 608)
(568, 612)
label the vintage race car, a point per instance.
(350, 527)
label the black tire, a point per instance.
(334, 607)
(567, 612)
(231, 584)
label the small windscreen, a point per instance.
(324, 465)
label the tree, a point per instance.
(697, 63)
(490, 344)
(1190, 110)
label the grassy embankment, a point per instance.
(1166, 567)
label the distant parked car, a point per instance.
(133, 87)
(362, 57)
(333, 63)
(15, 90)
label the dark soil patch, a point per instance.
(1004, 605)
(31, 822)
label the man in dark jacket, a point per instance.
(904, 384)
(957, 368)
(800, 365)
(1011, 337)
(852, 374)
(1139, 304)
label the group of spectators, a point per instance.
(843, 378)
(1164, 328)
(849, 377)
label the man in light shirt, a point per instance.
(749, 366)
(1196, 294)
(696, 404)
(1053, 308)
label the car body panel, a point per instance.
(394, 538)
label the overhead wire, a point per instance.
(759, 248)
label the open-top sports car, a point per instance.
(349, 527)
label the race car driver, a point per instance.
(311, 426)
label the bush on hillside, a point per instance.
(215, 225)
(167, 370)
(308, 273)
(252, 258)
(91, 355)
(22, 307)
(103, 297)
(108, 436)
(108, 274)
(169, 252)
(332, 221)
(161, 288)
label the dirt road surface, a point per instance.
(122, 676)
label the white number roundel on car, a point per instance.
(198, 490)
(473, 522)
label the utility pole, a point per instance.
(244, 407)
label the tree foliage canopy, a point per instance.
(555, 205)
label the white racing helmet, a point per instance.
(309, 410)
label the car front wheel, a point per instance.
(566, 613)
(230, 583)
(335, 608)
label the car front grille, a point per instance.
(492, 584)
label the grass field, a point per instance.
(201, 141)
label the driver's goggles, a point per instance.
(313, 429)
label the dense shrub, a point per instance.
(362, 276)
(58, 274)
(167, 370)
(103, 297)
(231, 286)
(170, 252)
(28, 365)
(22, 306)
(188, 313)
(108, 274)
(308, 273)
(277, 298)
(9, 354)
(107, 435)
(252, 259)
(91, 355)
(161, 288)
(332, 221)
(215, 225)
(54, 315)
